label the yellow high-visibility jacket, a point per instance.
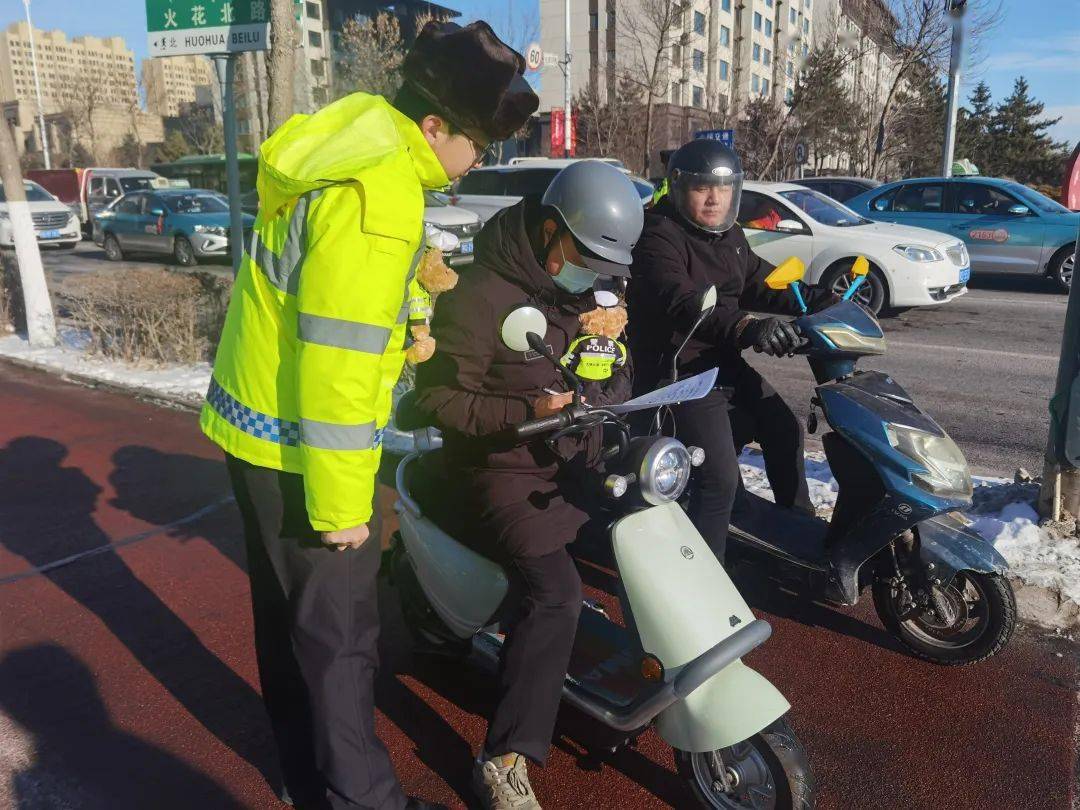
(314, 338)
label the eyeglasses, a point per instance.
(483, 153)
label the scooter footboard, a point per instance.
(683, 604)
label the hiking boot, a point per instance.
(502, 783)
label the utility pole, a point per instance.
(1060, 491)
(567, 120)
(955, 10)
(37, 89)
(40, 324)
(225, 63)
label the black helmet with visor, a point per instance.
(706, 164)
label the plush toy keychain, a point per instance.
(432, 277)
(597, 352)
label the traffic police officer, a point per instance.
(301, 391)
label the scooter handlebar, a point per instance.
(545, 424)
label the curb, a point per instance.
(1035, 604)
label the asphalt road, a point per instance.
(127, 674)
(983, 365)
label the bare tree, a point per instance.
(611, 126)
(81, 106)
(646, 30)
(282, 62)
(371, 53)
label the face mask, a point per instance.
(574, 279)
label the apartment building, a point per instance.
(314, 66)
(172, 81)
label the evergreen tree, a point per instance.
(915, 147)
(973, 129)
(1019, 143)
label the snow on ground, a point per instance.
(187, 382)
(1002, 512)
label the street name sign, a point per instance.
(176, 27)
(725, 136)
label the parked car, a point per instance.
(440, 211)
(908, 266)
(190, 224)
(1007, 227)
(88, 191)
(840, 189)
(492, 188)
(54, 223)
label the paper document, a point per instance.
(683, 391)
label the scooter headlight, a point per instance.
(945, 470)
(665, 472)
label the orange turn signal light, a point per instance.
(651, 669)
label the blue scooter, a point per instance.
(897, 527)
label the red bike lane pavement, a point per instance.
(127, 674)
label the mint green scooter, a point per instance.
(677, 662)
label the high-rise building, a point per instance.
(170, 81)
(69, 70)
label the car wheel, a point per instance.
(183, 252)
(112, 248)
(1060, 268)
(872, 294)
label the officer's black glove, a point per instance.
(770, 335)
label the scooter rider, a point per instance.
(525, 501)
(691, 241)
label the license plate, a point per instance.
(466, 246)
(53, 234)
(965, 274)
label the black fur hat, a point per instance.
(473, 77)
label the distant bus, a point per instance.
(208, 171)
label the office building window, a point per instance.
(313, 10)
(699, 96)
(805, 49)
(806, 25)
(766, 57)
(792, 15)
(699, 23)
(789, 96)
(768, 28)
(769, 3)
(725, 35)
(757, 21)
(808, 3)
(316, 67)
(723, 70)
(699, 61)
(764, 87)
(611, 18)
(314, 39)
(675, 93)
(725, 5)
(676, 55)
(755, 83)
(594, 21)
(790, 69)
(757, 52)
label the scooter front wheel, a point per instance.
(968, 621)
(769, 771)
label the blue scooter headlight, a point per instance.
(946, 473)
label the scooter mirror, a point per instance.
(518, 324)
(786, 273)
(708, 300)
(861, 267)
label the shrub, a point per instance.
(150, 315)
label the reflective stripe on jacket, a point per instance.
(314, 337)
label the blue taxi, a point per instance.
(1007, 227)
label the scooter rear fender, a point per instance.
(682, 604)
(950, 546)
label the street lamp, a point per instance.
(955, 10)
(37, 89)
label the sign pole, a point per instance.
(955, 9)
(225, 63)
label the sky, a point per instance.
(1039, 39)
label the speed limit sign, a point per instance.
(534, 56)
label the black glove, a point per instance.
(770, 335)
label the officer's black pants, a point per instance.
(316, 628)
(722, 424)
(545, 601)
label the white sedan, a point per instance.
(908, 266)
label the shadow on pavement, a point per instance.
(46, 515)
(80, 759)
(1015, 283)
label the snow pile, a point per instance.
(187, 382)
(823, 487)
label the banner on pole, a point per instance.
(558, 132)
